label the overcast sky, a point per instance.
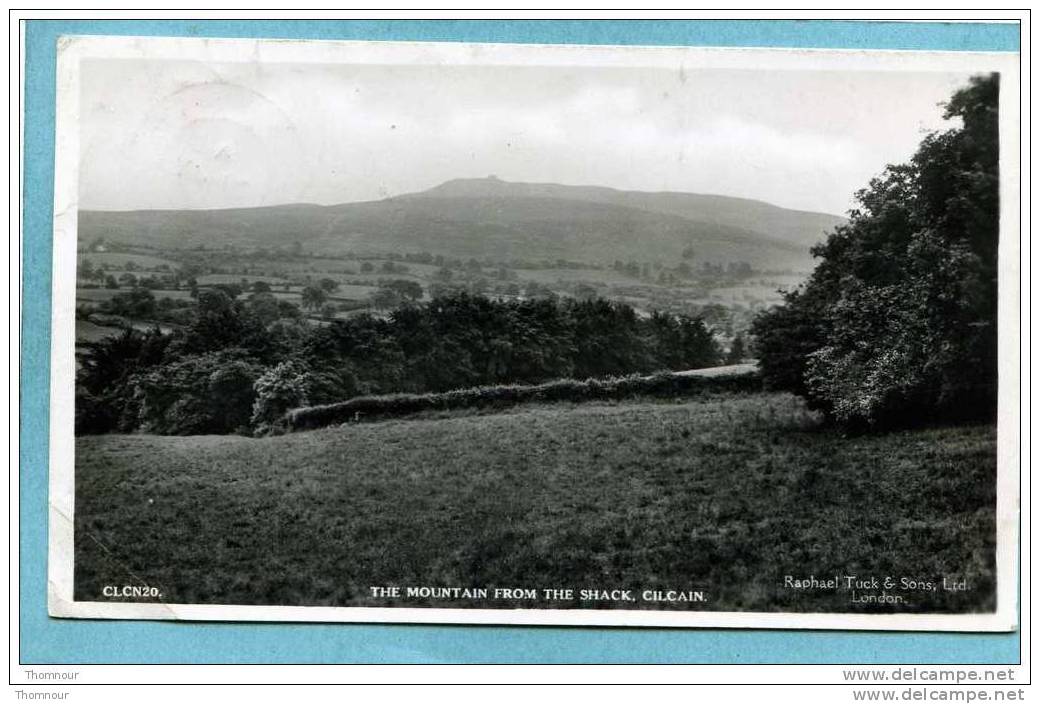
(162, 134)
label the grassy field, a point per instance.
(352, 292)
(87, 331)
(729, 494)
(215, 279)
(595, 276)
(119, 260)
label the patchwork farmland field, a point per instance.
(725, 493)
(97, 295)
(119, 260)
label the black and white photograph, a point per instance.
(460, 333)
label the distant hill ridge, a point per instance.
(500, 220)
(794, 226)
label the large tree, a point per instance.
(897, 324)
(313, 297)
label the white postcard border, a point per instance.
(72, 50)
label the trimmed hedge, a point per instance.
(662, 385)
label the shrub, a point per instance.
(104, 397)
(290, 385)
(197, 394)
(912, 369)
(278, 389)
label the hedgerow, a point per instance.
(662, 385)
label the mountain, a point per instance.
(498, 220)
(799, 227)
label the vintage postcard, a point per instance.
(518, 334)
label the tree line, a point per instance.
(231, 369)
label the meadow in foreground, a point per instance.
(725, 493)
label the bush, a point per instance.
(277, 390)
(94, 414)
(104, 397)
(914, 368)
(291, 385)
(209, 393)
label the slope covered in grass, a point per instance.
(488, 218)
(728, 494)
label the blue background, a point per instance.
(46, 640)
